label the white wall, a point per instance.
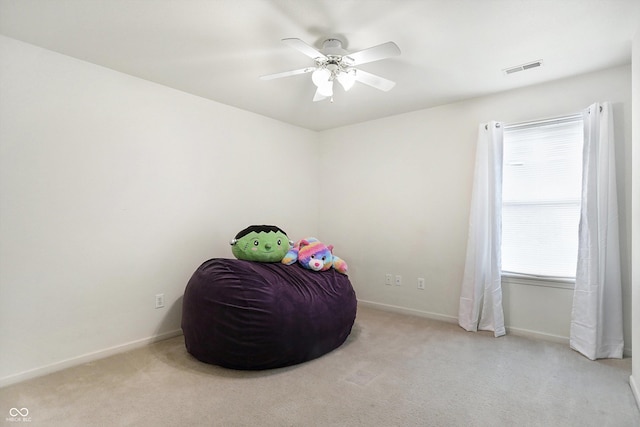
(401, 190)
(114, 189)
(635, 376)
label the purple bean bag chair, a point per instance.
(251, 315)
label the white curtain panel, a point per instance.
(481, 294)
(596, 318)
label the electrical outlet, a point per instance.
(398, 280)
(159, 300)
(388, 280)
(420, 283)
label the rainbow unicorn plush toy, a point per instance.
(314, 255)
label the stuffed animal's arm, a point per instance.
(340, 265)
(291, 256)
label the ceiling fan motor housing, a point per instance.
(335, 59)
(333, 47)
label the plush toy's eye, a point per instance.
(324, 258)
(313, 256)
(279, 242)
(256, 243)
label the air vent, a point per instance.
(522, 67)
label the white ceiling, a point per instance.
(217, 49)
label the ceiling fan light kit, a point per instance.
(347, 79)
(334, 63)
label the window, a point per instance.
(542, 181)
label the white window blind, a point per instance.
(542, 179)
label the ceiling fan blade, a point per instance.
(374, 81)
(375, 53)
(287, 73)
(298, 44)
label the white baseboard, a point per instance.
(527, 333)
(635, 390)
(85, 358)
(409, 311)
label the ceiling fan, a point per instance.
(333, 63)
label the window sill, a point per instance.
(549, 282)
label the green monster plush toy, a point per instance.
(262, 243)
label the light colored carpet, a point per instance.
(394, 370)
